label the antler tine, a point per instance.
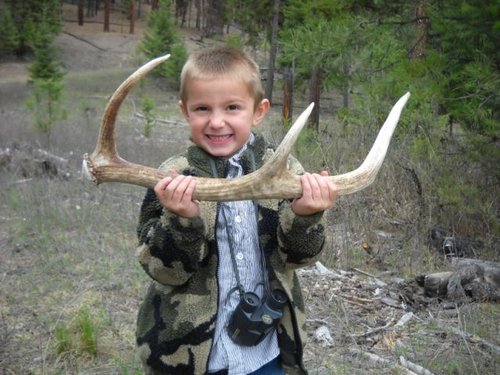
(365, 174)
(107, 137)
(281, 154)
(272, 180)
(105, 164)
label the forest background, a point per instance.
(67, 246)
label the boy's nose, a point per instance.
(216, 120)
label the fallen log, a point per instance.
(377, 360)
(474, 339)
(29, 161)
(417, 369)
(471, 278)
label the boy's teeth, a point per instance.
(218, 137)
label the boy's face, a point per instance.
(221, 113)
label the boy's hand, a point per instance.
(318, 194)
(176, 195)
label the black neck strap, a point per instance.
(230, 238)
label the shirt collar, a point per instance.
(235, 159)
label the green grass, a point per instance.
(62, 338)
(88, 326)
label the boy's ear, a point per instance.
(261, 111)
(183, 109)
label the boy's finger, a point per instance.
(171, 190)
(162, 184)
(326, 185)
(306, 185)
(318, 187)
(188, 185)
(178, 186)
(316, 183)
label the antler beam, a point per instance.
(272, 180)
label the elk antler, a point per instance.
(272, 180)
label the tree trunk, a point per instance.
(274, 50)
(92, 7)
(132, 16)
(189, 12)
(106, 16)
(154, 4)
(345, 89)
(198, 7)
(287, 112)
(80, 12)
(181, 7)
(421, 30)
(139, 9)
(314, 96)
(215, 18)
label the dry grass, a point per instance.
(67, 250)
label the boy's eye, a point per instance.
(201, 109)
(232, 107)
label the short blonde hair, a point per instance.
(225, 61)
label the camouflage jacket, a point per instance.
(176, 321)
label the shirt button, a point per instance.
(237, 219)
(239, 256)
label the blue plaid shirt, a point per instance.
(241, 225)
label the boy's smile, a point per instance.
(221, 113)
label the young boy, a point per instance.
(206, 257)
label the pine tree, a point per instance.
(46, 78)
(26, 15)
(161, 38)
(469, 37)
(9, 35)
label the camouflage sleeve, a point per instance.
(301, 238)
(170, 247)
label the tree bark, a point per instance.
(132, 16)
(422, 30)
(106, 15)
(345, 88)
(181, 7)
(138, 9)
(80, 12)
(314, 96)
(92, 7)
(215, 18)
(287, 112)
(274, 50)
(198, 22)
